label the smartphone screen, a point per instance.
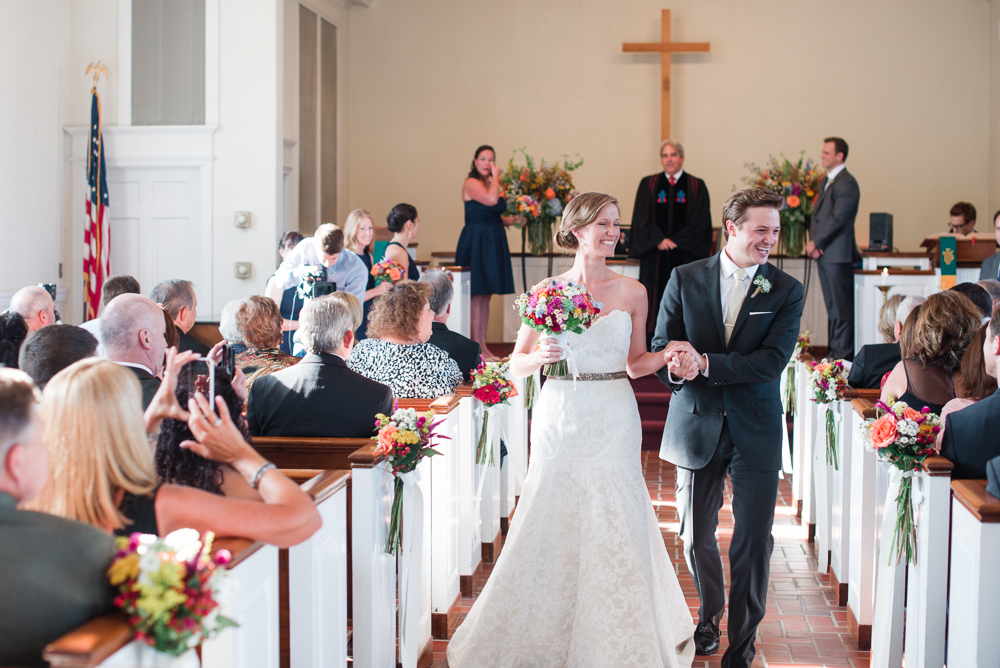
(228, 360)
(198, 376)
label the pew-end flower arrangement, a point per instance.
(170, 588)
(904, 437)
(388, 271)
(788, 391)
(555, 308)
(828, 382)
(404, 438)
(491, 386)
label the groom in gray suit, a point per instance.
(731, 323)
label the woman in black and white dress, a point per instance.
(396, 352)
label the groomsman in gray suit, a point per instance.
(731, 322)
(990, 268)
(832, 245)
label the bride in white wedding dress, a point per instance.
(584, 579)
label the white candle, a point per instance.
(885, 274)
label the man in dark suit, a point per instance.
(133, 333)
(178, 297)
(671, 224)
(970, 440)
(319, 396)
(54, 570)
(736, 319)
(460, 348)
(832, 245)
(991, 265)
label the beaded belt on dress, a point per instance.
(617, 375)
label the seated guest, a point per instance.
(120, 284)
(179, 298)
(134, 334)
(991, 265)
(228, 328)
(323, 253)
(397, 353)
(962, 218)
(48, 351)
(93, 424)
(992, 287)
(970, 435)
(36, 307)
(462, 349)
(290, 306)
(180, 466)
(978, 296)
(259, 323)
(319, 396)
(935, 336)
(356, 308)
(875, 360)
(13, 332)
(54, 570)
(972, 383)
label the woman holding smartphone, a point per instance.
(483, 243)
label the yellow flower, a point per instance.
(577, 312)
(406, 437)
(126, 568)
(810, 193)
(158, 604)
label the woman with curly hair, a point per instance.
(259, 322)
(396, 352)
(935, 336)
(180, 466)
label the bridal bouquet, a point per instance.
(904, 438)
(492, 387)
(169, 587)
(829, 380)
(554, 308)
(388, 270)
(404, 439)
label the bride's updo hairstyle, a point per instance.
(581, 211)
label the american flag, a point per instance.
(96, 232)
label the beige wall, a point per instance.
(906, 83)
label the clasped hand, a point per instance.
(682, 360)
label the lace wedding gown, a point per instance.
(583, 579)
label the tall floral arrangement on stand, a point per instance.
(538, 194)
(903, 437)
(829, 380)
(491, 386)
(170, 588)
(798, 183)
(404, 438)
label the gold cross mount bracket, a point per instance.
(665, 48)
(98, 69)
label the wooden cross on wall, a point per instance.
(665, 48)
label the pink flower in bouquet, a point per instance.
(386, 443)
(883, 431)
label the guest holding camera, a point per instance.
(397, 353)
(403, 222)
(322, 254)
(359, 232)
(259, 322)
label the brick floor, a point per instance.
(804, 627)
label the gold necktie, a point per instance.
(736, 298)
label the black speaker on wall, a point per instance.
(880, 232)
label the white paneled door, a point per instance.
(155, 226)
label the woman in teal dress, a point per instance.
(483, 243)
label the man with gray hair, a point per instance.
(178, 297)
(671, 225)
(54, 570)
(133, 333)
(35, 305)
(462, 349)
(319, 396)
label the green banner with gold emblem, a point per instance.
(949, 262)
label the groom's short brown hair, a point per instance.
(735, 208)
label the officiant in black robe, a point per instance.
(671, 225)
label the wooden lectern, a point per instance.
(971, 249)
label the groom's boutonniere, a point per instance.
(763, 285)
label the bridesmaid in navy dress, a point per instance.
(403, 222)
(359, 231)
(483, 243)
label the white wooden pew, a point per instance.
(863, 528)
(974, 606)
(841, 495)
(470, 551)
(804, 438)
(516, 416)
